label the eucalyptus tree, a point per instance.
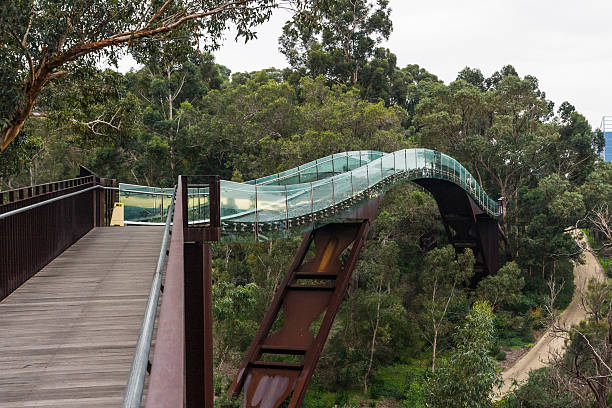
(42, 40)
(442, 284)
(336, 38)
(468, 377)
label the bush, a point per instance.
(393, 381)
(495, 349)
(565, 275)
(400, 382)
(501, 356)
(540, 392)
(319, 399)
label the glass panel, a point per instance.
(325, 168)
(342, 187)
(388, 165)
(272, 179)
(339, 163)
(354, 160)
(411, 159)
(360, 180)
(429, 159)
(374, 172)
(321, 195)
(298, 198)
(271, 203)
(198, 204)
(308, 173)
(420, 158)
(145, 204)
(237, 202)
(400, 161)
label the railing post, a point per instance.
(197, 258)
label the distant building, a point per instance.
(606, 126)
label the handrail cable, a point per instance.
(134, 389)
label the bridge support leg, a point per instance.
(199, 390)
(489, 242)
(311, 289)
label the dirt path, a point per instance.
(537, 357)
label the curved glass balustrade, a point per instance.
(316, 191)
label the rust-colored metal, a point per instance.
(268, 383)
(467, 226)
(167, 381)
(194, 324)
(209, 390)
(182, 369)
(212, 230)
(198, 293)
(33, 238)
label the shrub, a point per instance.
(501, 356)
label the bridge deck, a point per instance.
(67, 336)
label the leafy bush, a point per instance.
(501, 356)
(539, 392)
(318, 398)
(395, 381)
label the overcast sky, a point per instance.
(566, 44)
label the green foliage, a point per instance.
(467, 377)
(502, 289)
(597, 189)
(401, 382)
(233, 307)
(441, 282)
(337, 38)
(323, 399)
(540, 391)
(44, 40)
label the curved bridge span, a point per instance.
(332, 201)
(334, 189)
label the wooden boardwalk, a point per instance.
(67, 336)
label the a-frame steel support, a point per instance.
(311, 288)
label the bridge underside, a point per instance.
(68, 334)
(466, 224)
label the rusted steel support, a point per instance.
(198, 295)
(303, 299)
(199, 391)
(488, 232)
(193, 256)
(209, 390)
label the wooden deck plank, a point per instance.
(68, 334)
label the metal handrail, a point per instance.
(133, 393)
(51, 200)
(15, 190)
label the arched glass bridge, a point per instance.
(312, 194)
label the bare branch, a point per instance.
(157, 14)
(27, 32)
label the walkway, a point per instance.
(68, 334)
(538, 355)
